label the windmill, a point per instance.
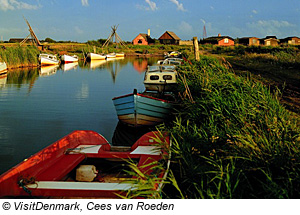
(33, 36)
(114, 38)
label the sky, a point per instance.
(83, 20)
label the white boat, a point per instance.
(93, 56)
(111, 55)
(3, 68)
(69, 59)
(160, 78)
(120, 55)
(48, 59)
(170, 61)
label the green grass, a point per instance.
(231, 138)
(235, 139)
(19, 56)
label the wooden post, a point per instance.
(196, 48)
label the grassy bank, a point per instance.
(234, 139)
(231, 138)
(19, 56)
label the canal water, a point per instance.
(40, 106)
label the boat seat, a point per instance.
(71, 185)
(60, 168)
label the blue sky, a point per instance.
(82, 20)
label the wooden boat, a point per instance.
(111, 55)
(93, 56)
(160, 78)
(48, 59)
(69, 59)
(3, 68)
(144, 109)
(83, 164)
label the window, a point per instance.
(167, 77)
(140, 42)
(226, 40)
(154, 77)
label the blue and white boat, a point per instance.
(142, 109)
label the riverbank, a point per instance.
(232, 138)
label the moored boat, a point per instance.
(3, 68)
(143, 109)
(170, 61)
(48, 59)
(160, 78)
(69, 59)
(84, 164)
(94, 56)
(111, 55)
(120, 54)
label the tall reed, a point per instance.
(234, 140)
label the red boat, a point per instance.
(83, 164)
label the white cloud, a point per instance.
(254, 11)
(85, 3)
(179, 5)
(270, 27)
(185, 27)
(78, 30)
(152, 6)
(16, 5)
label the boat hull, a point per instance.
(69, 59)
(3, 68)
(140, 110)
(93, 56)
(44, 173)
(44, 60)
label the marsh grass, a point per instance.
(235, 140)
(19, 56)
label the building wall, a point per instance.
(186, 43)
(226, 42)
(294, 41)
(139, 40)
(253, 41)
(271, 42)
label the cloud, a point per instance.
(16, 5)
(78, 30)
(152, 6)
(185, 27)
(179, 5)
(254, 11)
(270, 27)
(85, 3)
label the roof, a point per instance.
(172, 34)
(216, 39)
(146, 37)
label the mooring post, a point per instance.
(196, 48)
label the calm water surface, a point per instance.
(38, 107)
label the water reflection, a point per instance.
(3, 80)
(48, 70)
(37, 111)
(69, 66)
(125, 135)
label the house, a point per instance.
(290, 41)
(249, 41)
(143, 39)
(169, 38)
(269, 41)
(219, 40)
